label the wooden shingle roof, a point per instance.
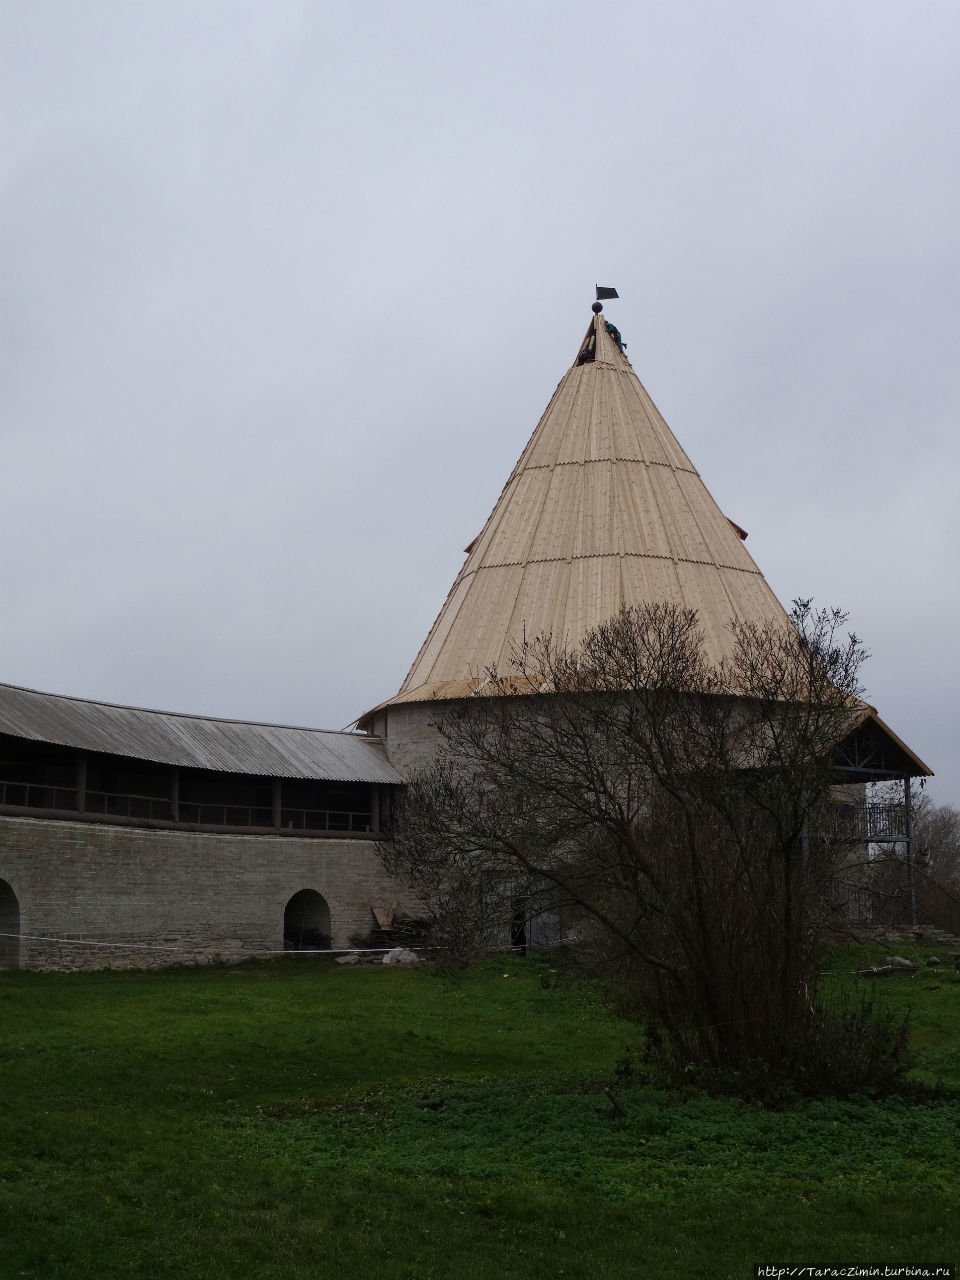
(603, 509)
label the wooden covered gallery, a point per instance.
(135, 837)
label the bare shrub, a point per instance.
(660, 807)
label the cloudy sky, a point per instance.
(286, 287)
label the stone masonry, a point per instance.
(205, 897)
(409, 734)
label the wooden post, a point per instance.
(81, 783)
(805, 835)
(374, 808)
(277, 802)
(174, 794)
(911, 874)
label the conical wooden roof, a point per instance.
(603, 509)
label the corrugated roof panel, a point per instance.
(228, 746)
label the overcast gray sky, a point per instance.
(286, 287)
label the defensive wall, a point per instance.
(162, 897)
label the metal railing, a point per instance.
(324, 820)
(112, 804)
(225, 815)
(232, 815)
(37, 795)
(869, 822)
(127, 805)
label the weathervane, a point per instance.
(603, 292)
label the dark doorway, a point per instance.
(306, 922)
(518, 929)
(9, 928)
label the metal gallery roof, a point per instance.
(197, 742)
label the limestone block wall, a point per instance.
(409, 734)
(192, 897)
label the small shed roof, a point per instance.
(199, 742)
(870, 751)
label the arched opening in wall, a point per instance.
(306, 922)
(9, 927)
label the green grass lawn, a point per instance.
(296, 1119)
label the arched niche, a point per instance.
(306, 922)
(9, 927)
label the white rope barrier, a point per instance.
(151, 946)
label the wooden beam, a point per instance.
(81, 782)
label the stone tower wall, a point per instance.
(410, 734)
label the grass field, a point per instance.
(296, 1119)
